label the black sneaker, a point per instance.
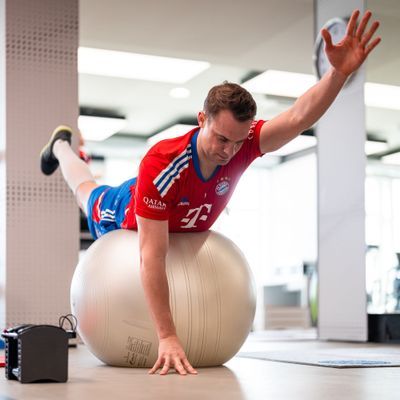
(48, 162)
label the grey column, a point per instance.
(341, 221)
(39, 227)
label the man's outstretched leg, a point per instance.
(75, 171)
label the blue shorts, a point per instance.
(110, 208)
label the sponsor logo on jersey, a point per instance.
(222, 188)
(196, 214)
(184, 201)
(154, 204)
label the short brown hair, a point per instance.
(232, 97)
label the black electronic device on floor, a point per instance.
(384, 328)
(36, 353)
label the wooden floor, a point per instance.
(240, 378)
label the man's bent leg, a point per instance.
(75, 171)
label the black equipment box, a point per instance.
(36, 353)
(384, 328)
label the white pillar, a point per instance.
(39, 227)
(341, 215)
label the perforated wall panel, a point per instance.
(40, 214)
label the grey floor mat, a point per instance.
(335, 358)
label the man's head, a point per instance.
(228, 113)
(231, 97)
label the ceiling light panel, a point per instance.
(291, 84)
(382, 96)
(280, 83)
(99, 128)
(138, 66)
(392, 159)
(373, 147)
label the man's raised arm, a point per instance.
(345, 57)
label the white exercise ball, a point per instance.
(212, 299)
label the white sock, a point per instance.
(74, 170)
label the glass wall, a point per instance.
(272, 217)
(383, 239)
(382, 189)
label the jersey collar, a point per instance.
(195, 158)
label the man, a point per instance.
(184, 183)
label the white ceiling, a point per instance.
(236, 37)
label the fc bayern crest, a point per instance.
(222, 188)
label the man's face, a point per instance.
(222, 136)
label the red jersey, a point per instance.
(170, 185)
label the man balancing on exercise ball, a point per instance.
(184, 183)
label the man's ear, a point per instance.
(201, 119)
